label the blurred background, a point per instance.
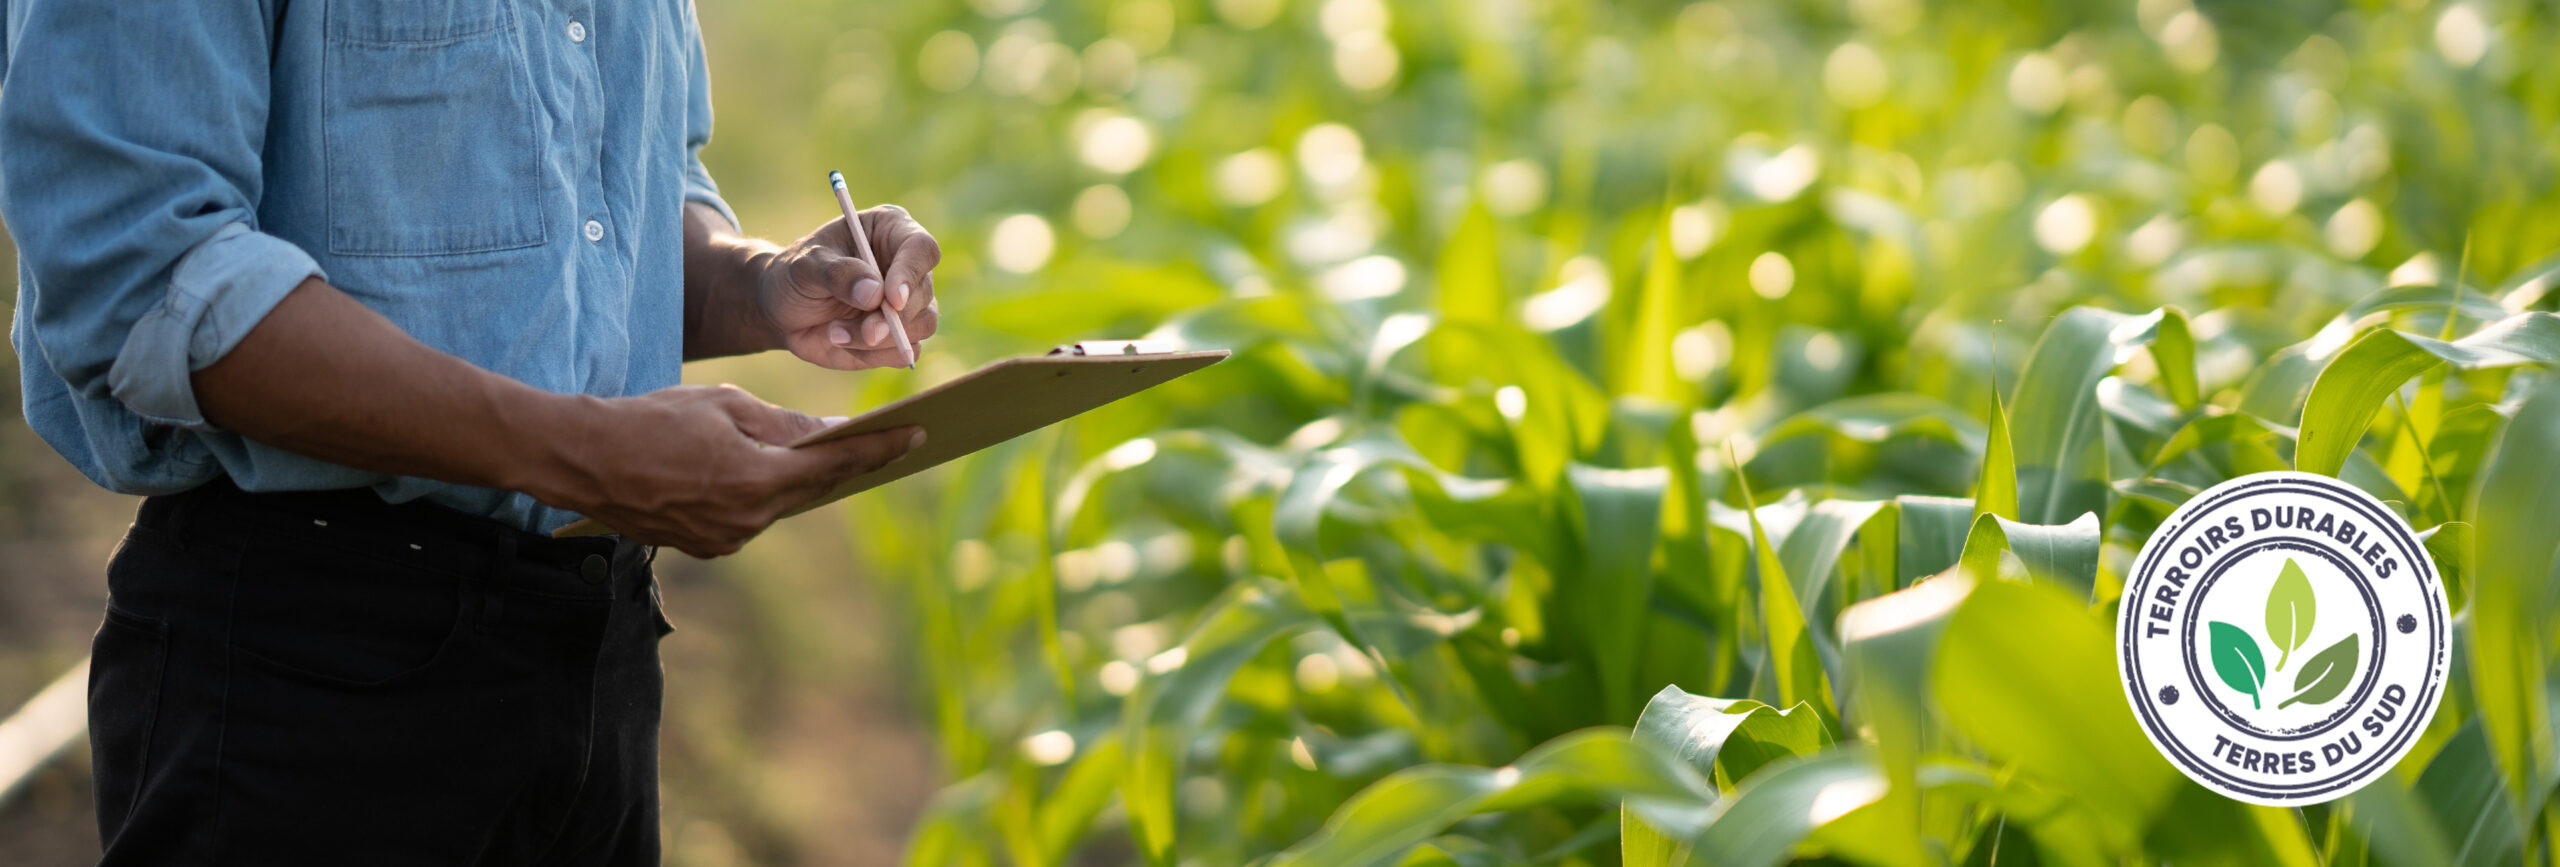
(1818, 197)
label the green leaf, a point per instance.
(1378, 825)
(2327, 674)
(2174, 353)
(2291, 609)
(2028, 674)
(2237, 661)
(1068, 812)
(2400, 826)
(1811, 555)
(1471, 287)
(1166, 709)
(2461, 789)
(1795, 662)
(2512, 592)
(2062, 464)
(1996, 493)
(2351, 389)
(1891, 644)
(1765, 821)
(2064, 556)
(1930, 535)
(1735, 735)
(1645, 357)
(1621, 519)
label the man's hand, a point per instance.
(699, 469)
(830, 307)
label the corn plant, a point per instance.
(1762, 487)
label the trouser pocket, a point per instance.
(127, 660)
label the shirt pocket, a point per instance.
(428, 126)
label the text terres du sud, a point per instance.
(2202, 542)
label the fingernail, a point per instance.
(917, 439)
(833, 420)
(874, 330)
(898, 297)
(837, 335)
(866, 292)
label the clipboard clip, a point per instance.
(1117, 347)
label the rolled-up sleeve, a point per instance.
(131, 137)
(697, 123)
(219, 291)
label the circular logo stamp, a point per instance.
(2283, 638)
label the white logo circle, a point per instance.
(2283, 638)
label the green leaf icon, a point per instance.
(2290, 611)
(2237, 661)
(2325, 676)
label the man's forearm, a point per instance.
(325, 376)
(720, 268)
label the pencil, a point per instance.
(862, 247)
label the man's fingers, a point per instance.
(921, 323)
(836, 460)
(911, 267)
(837, 274)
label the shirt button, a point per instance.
(592, 569)
(595, 231)
(577, 32)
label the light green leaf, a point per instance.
(2237, 661)
(1645, 355)
(1471, 288)
(2351, 389)
(2174, 353)
(2291, 609)
(2327, 674)
(1996, 492)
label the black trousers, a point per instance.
(322, 678)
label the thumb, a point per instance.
(767, 423)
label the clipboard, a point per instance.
(995, 403)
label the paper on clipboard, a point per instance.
(995, 403)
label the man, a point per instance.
(368, 295)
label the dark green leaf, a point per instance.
(2237, 661)
(2327, 674)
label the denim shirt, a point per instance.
(503, 179)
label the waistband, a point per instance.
(220, 518)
